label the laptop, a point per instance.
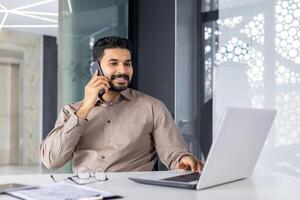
(240, 137)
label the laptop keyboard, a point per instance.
(184, 178)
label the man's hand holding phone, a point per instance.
(91, 92)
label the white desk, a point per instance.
(261, 186)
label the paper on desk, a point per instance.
(60, 191)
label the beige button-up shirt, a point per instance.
(125, 135)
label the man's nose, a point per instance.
(121, 69)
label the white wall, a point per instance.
(24, 49)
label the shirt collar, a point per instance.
(128, 94)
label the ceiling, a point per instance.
(34, 16)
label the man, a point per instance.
(123, 130)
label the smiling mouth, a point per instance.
(120, 80)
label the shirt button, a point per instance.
(103, 157)
(108, 121)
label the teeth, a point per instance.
(121, 79)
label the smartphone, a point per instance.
(96, 66)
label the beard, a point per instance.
(119, 88)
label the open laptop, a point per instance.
(240, 137)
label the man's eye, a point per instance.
(113, 64)
(127, 64)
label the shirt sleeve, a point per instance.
(169, 143)
(58, 147)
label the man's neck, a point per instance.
(110, 96)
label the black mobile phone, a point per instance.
(96, 66)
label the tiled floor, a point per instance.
(29, 169)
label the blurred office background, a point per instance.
(198, 57)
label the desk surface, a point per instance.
(261, 185)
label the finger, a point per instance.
(105, 88)
(96, 73)
(178, 165)
(199, 167)
(94, 76)
(187, 166)
(181, 166)
(193, 165)
(202, 162)
(100, 82)
(104, 78)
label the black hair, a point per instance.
(109, 43)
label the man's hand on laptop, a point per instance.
(189, 162)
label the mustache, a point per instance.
(115, 76)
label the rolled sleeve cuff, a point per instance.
(75, 124)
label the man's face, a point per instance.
(116, 65)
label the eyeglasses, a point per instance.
(86, 176)
(98, 173)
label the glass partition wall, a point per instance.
(81, 24)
